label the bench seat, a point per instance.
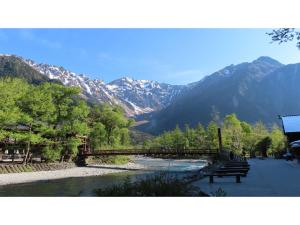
(236, 175)
(243, 171)
(245, 164)
(236, 167)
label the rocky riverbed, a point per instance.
(90, 170)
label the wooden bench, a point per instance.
(230, 170)
(230, 163)
(236, 161)
(235, 167)
(236, 175)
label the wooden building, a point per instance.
(291, 127)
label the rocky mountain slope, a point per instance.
(14, 66)
(135, 96)
(256, 91)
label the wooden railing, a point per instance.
(151, 152)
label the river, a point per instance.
(85, 186)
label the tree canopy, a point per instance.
(284, 35)
(54, 116)
(237, 136)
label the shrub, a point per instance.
(51, 153)
(158, 185)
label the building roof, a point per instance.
(291, 124)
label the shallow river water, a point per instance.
(85, 186)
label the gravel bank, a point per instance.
(90, 170)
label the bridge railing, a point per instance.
(151, 152)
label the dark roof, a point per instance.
(291, 124)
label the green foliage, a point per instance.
(72, 145)
(233, 133)
(12, 90)
(237, 136)
(200, 137)
(52, 153)
(98, 135)
(212, 135)
(54, 115)
(278, 140)
(158, 185)
(263, 145)
(179, 141)
(219, 193)
(118, 160)
(109, 126)
(12, 66)
(124, 137)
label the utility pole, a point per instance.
(220, 140)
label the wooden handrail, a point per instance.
(151, 152)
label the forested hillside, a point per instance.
(15, 67)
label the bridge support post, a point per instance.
(81, 160)
(238, 179)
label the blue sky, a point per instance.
(176, 56)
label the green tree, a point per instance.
(278, 140)
(212, 135)
(124, 137)
(180, 142)
(233, 134)
(12, 90)
(263, 146)
(283, 35)
(98, 135)
(37, 113)
(200, 134)
(113, 119)
(190, 137)
(69, 122)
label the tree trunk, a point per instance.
(70, 158)
(28, 148)
(62, 159)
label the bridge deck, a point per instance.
(151, 152)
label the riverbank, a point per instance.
(90, 170)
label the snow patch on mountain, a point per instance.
(134, 96)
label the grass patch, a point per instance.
(28, 168)
(116, 160)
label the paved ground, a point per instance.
(268, 177)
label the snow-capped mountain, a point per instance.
(135, 96)
(143, 95)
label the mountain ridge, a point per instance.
(134, 96)
(236, 89)
(256, 90)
